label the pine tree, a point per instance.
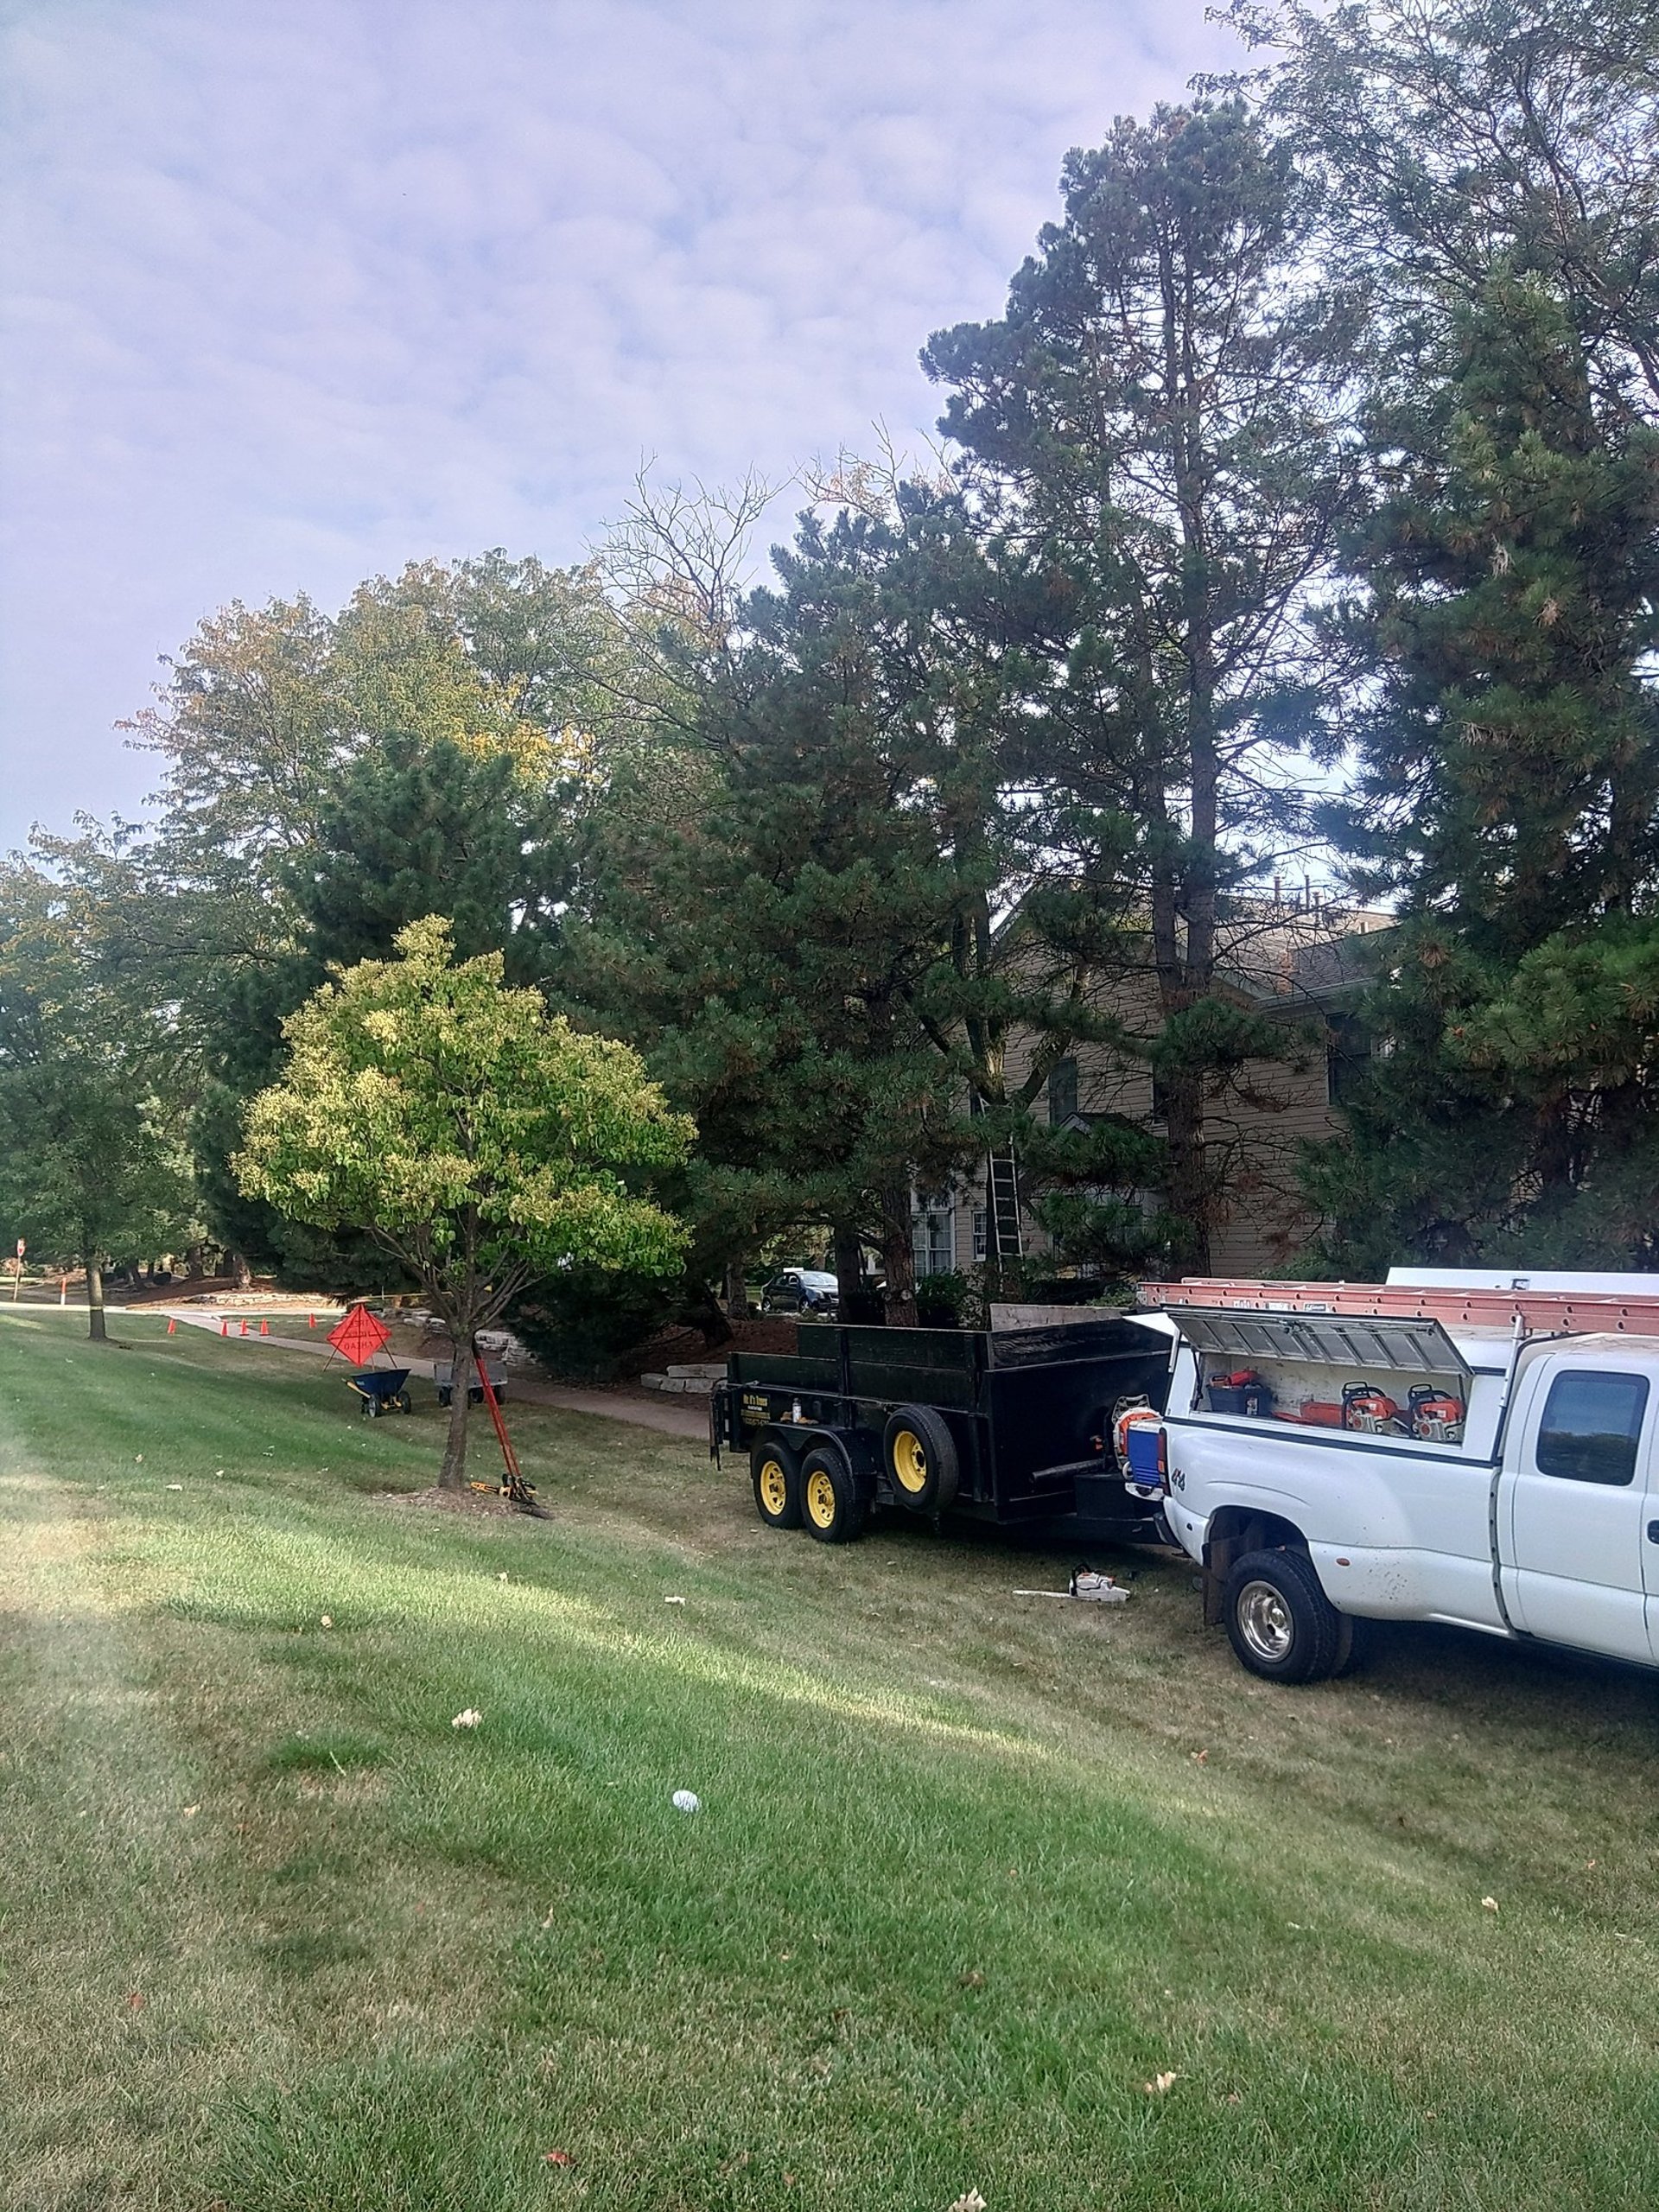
(1507, 793)
(769, 949)
(1149, 432)
(823, 951)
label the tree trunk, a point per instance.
(736, 1297)
(849, 1263)
(1189, 1187)
(238, 1267)
(452, 1475)
(95, 1328)
(898, 1257)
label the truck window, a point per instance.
(1590, 1427)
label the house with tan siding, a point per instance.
(1304, 962)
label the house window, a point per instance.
(1347, 1056)
(981, 1234)
(1160, 1100)
(930, 1238)
(1062, 1091)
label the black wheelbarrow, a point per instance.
(382, 1391)
(443, 1374)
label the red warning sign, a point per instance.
(359, 1336)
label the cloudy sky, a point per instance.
(295, 293)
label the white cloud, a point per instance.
(297, 294)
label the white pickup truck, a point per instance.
(1476, 1450)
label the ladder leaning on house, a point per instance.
(1002, 1191)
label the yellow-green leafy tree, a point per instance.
(476, 1137)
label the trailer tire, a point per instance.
(919, 1454)
(832, 1504)
(1280, 1622)
(775, 1473)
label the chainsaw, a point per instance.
(1435, 1415)
(1366, 1407)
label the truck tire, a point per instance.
(1280, 1622)
(920, 1457)
(1351, 1645)
(776, 1476)
(832, 1505)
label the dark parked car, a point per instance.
(800, 1290)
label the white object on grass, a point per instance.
(470, 1718)
(1107, 1594)
(1101, 1589)
(687, 1801)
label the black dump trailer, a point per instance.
(1012, 1427)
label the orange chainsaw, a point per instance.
(1366, 1407)
(1435, 1415)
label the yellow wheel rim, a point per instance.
(774, 1487)
(909, 1462)
(820, 1499)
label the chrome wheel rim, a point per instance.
(1264, 1620)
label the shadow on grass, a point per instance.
(305, 1951)
(335, 1752)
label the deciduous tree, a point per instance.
(477, 1139)
(93, 1162)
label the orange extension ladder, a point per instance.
(1572, 1312)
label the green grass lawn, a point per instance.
(970, 1871)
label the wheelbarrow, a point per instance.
(382, 1391)
(443, 1374)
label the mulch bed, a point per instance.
(674, 1347)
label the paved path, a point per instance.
(668, 1418)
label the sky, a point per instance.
(291, 294)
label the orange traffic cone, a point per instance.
(245, 1324)
(265, 1328)
(224, 1328)
(171, 1327)
(310, 1320)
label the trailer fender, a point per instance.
(775, 1475)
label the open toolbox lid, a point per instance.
(1359, 1343)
